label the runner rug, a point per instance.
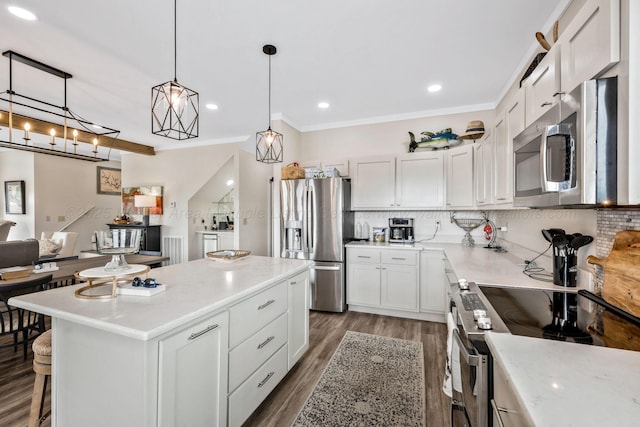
(370, 381)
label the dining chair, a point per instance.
(16, 321)
(5, 225)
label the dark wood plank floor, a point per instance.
(284, 403)
(326, 332)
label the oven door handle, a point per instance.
(470, 358)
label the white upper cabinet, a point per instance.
(459, 167)
(591, 42)
(483, 163)
(542, 87)
(420, 180)
(373, 183)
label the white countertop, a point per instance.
(194, 289)
(476, 264)
(567, 384)
(213, 231)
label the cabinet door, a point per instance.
(483, 164)
(298, 317)
(192, 382)
(543, 85)
(399, 286)
(460, 177)
(420, 180)
(363, 285)
(433, 282)
(373, 183)
(226, 240)
(506, 410)
(591, 42)
(341, 165)
(503, 162)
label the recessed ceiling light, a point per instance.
(323, 105)
(97, 126)
(230, 182)
(212, 106)
(22, 13)
(434, 88)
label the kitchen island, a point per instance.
(171, 359)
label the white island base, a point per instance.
(168, 359)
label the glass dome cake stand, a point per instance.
(117, 243)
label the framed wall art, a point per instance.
(109, 181)
(14, 197)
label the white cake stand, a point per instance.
(100, 277)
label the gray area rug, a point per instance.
(370, 381)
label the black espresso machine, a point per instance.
(401, 230)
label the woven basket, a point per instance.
(292, 171)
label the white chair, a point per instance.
(67, 238)
(5, 225)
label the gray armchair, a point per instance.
(19, 252)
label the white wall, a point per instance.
(18, 166)
(252, 204)
(58, 191)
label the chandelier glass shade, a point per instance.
(269, 143)
(175, 107)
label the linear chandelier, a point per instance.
(174, 107)
(31, 133)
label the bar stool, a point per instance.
(42, 367)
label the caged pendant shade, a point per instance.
(174, 107)
(269, 142)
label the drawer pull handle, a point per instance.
(265, 342)
(545, 104)
(266, 304)
(399, 259)
(292, 283)
(362, 256)
(267, 378)
(202, 332)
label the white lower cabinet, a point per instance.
(506, 410)
(382, 278)
(298, 318)
(433, 282)
(268, 333)
(192, 382)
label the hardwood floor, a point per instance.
(284, 403)
(326, 332)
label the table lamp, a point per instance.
(145, 202)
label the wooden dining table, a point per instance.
(65, 275)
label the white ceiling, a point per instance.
(372, 60)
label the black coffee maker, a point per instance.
(565, 247)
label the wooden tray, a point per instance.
(621, 267)
(228, 255)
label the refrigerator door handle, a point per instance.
(310, 213)
(318, 267)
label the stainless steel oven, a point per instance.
(470, 364)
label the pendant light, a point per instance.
(269, 142)
(174, 110)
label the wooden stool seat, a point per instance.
(42, 367)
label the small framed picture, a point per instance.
(109, 181)
(14, 197)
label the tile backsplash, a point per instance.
(609, 222)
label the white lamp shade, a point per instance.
(144, 201)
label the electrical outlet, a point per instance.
(437, 223)
(502, 228)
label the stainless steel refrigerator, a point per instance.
(315, 222)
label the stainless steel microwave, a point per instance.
(568, 157)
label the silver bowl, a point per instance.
(468, 225)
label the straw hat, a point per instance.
(475, 129)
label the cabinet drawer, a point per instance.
(249, 316)
(255, 389)
(245, 358)
(364, 256)
(400, 257)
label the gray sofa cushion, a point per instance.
(18, 252)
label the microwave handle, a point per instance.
(543, 161)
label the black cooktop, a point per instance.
(565, 316)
